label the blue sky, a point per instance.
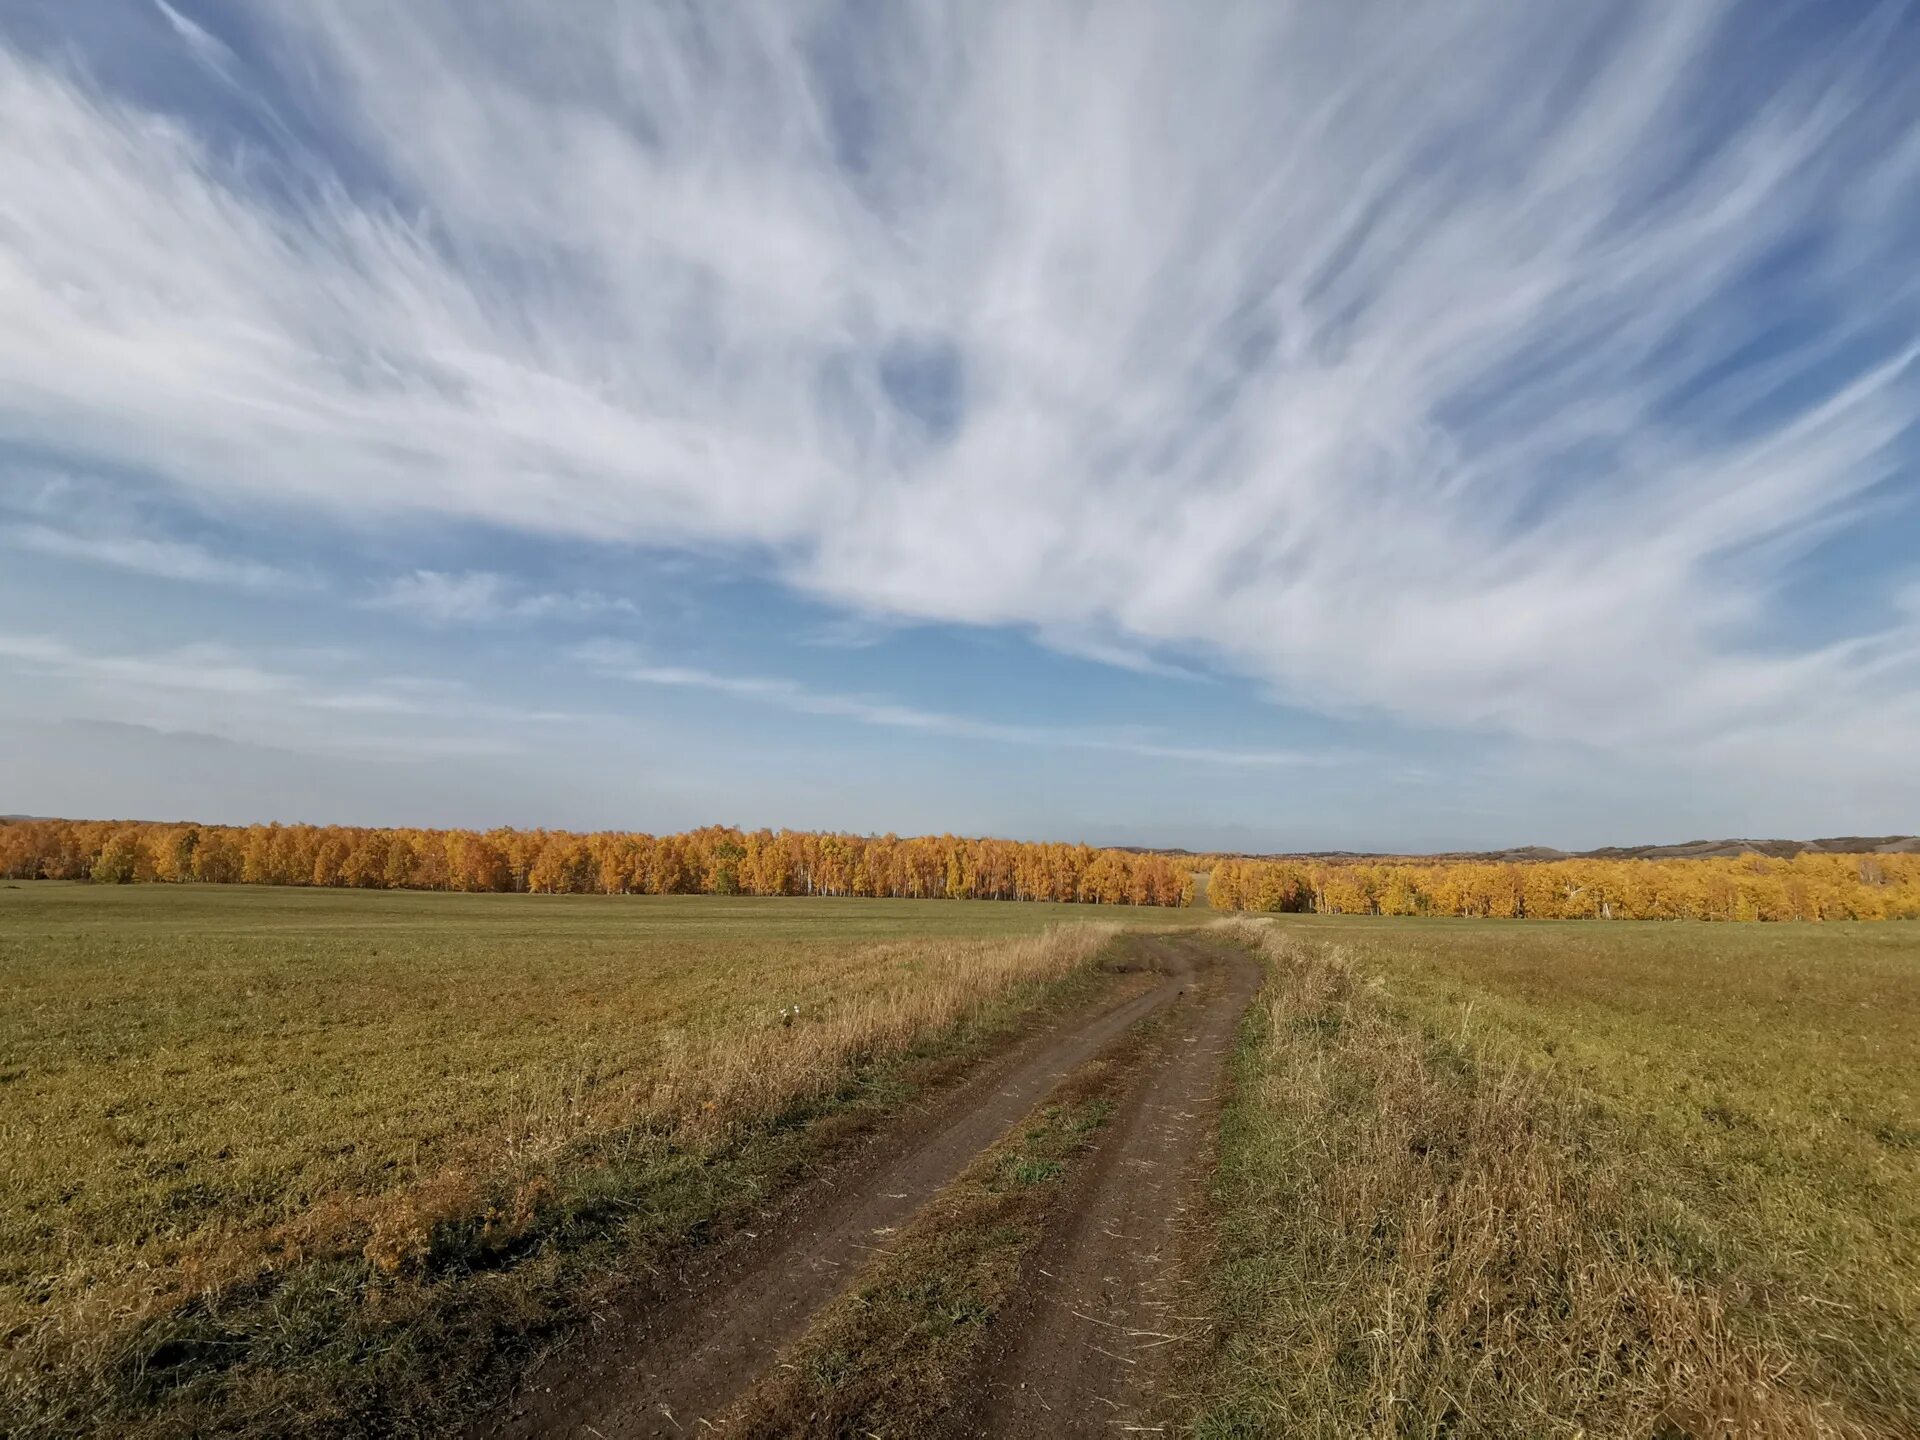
(1358, 426)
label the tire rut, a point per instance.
(670, 1377)
(1090, 1350)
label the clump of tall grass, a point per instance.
(1421, 1235)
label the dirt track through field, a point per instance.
(1110, 1261)
(1101, 1327)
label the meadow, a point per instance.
(275, 1155)
(278, 1159)
(1559, 1179)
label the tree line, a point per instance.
(725, 860)
(1747, 887)
(714, 860)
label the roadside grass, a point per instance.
(1563, 1179)
(894, 1355)
(278, 1159)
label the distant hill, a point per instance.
(1686, 850)
(1779, 849)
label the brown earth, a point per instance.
(1101, 1328)
(1073, 1355)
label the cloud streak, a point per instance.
(479, 597)
(165, 559)
(205, 47)
(1489, 366)
(218, 687)
(619, 662)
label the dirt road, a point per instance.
(1077, 1355)
(1090, 1350)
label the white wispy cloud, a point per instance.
(478, 597)
(1483, 364)
(206, 47)
(620, 661)
(165, 558)
(216, 686)
(200, 669)
(1104, 651)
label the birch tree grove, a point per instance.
(1747, 887)
(724, 860)
(714, 860)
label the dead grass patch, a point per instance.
(1428, 1227)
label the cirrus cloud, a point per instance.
(479, 597)
(1489, 365)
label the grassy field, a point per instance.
(273, 1154)
(1552, 1179)
(284, 1159)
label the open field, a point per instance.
(279, 1159)
(1545, 1179)
(261, 1146)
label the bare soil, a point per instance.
(1068, 1361)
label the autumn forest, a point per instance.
(723, 860)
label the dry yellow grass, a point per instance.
(272, 1159)
(1433, 1223)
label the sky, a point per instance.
(1265, 426)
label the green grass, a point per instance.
(267, 1154)
(1572, 1178)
